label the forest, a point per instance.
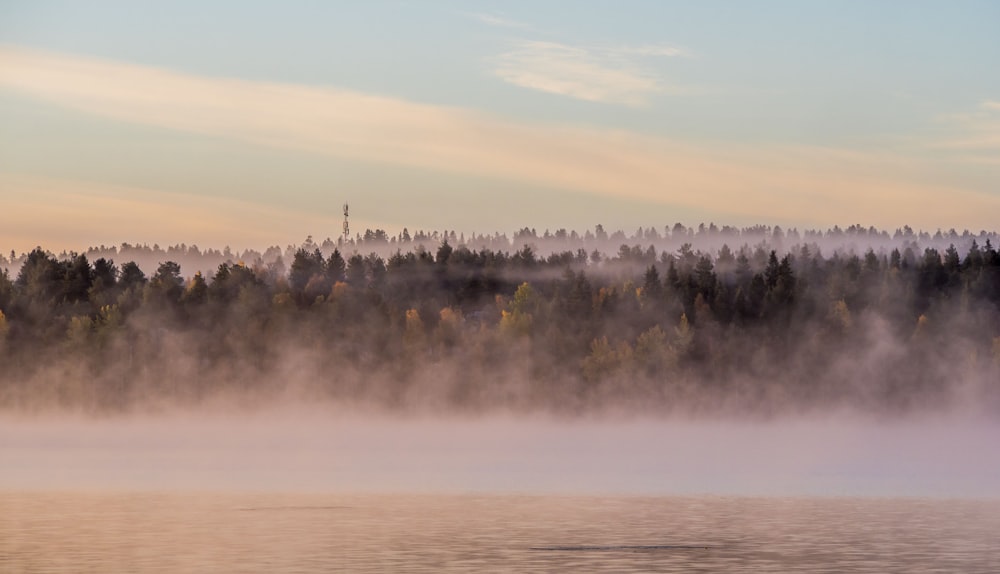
(770, 324)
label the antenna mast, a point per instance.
(347, 228)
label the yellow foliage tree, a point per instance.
(338, 290)
(110, 316)
(413, 335)
(605, 361)
(109, 319)
(524, 299)
(601, 362)
(653, 352)
(79, 329)
(840, 316)
(517, 318)
(684, 334)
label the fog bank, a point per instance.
(320, 451)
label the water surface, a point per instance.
(211, 532)
(312, 491)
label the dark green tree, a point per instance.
(40, 278)
(443, 253)
(652, 288)
(357, 275)
(132, 276)
(6, 290)
(196, 292)
(167, 284)
(305, 267)
(78, 279)
(336, 266)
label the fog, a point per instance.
(721, 361)
(774, 329)
(318, 450)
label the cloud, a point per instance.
(974, 134)
(606, 76)
(650, 50)
(741, 183)
(500, 21)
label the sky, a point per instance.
(250, 124)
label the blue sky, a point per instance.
(250, 123)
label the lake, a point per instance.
(315, 491)
(273, 532)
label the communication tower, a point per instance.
(347, 228)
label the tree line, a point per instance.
(754, 329)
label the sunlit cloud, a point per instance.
(807, 185)
(605, 76)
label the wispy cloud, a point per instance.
(607, 75)
(734, 182)
(649, 50)
(500, 21)
(976, 133)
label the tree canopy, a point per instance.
(757, 328)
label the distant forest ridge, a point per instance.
(758, 321)
(708, 238)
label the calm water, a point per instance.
(187, 532)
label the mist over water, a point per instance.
(678, 365)
(666, 408)
(316, 450)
